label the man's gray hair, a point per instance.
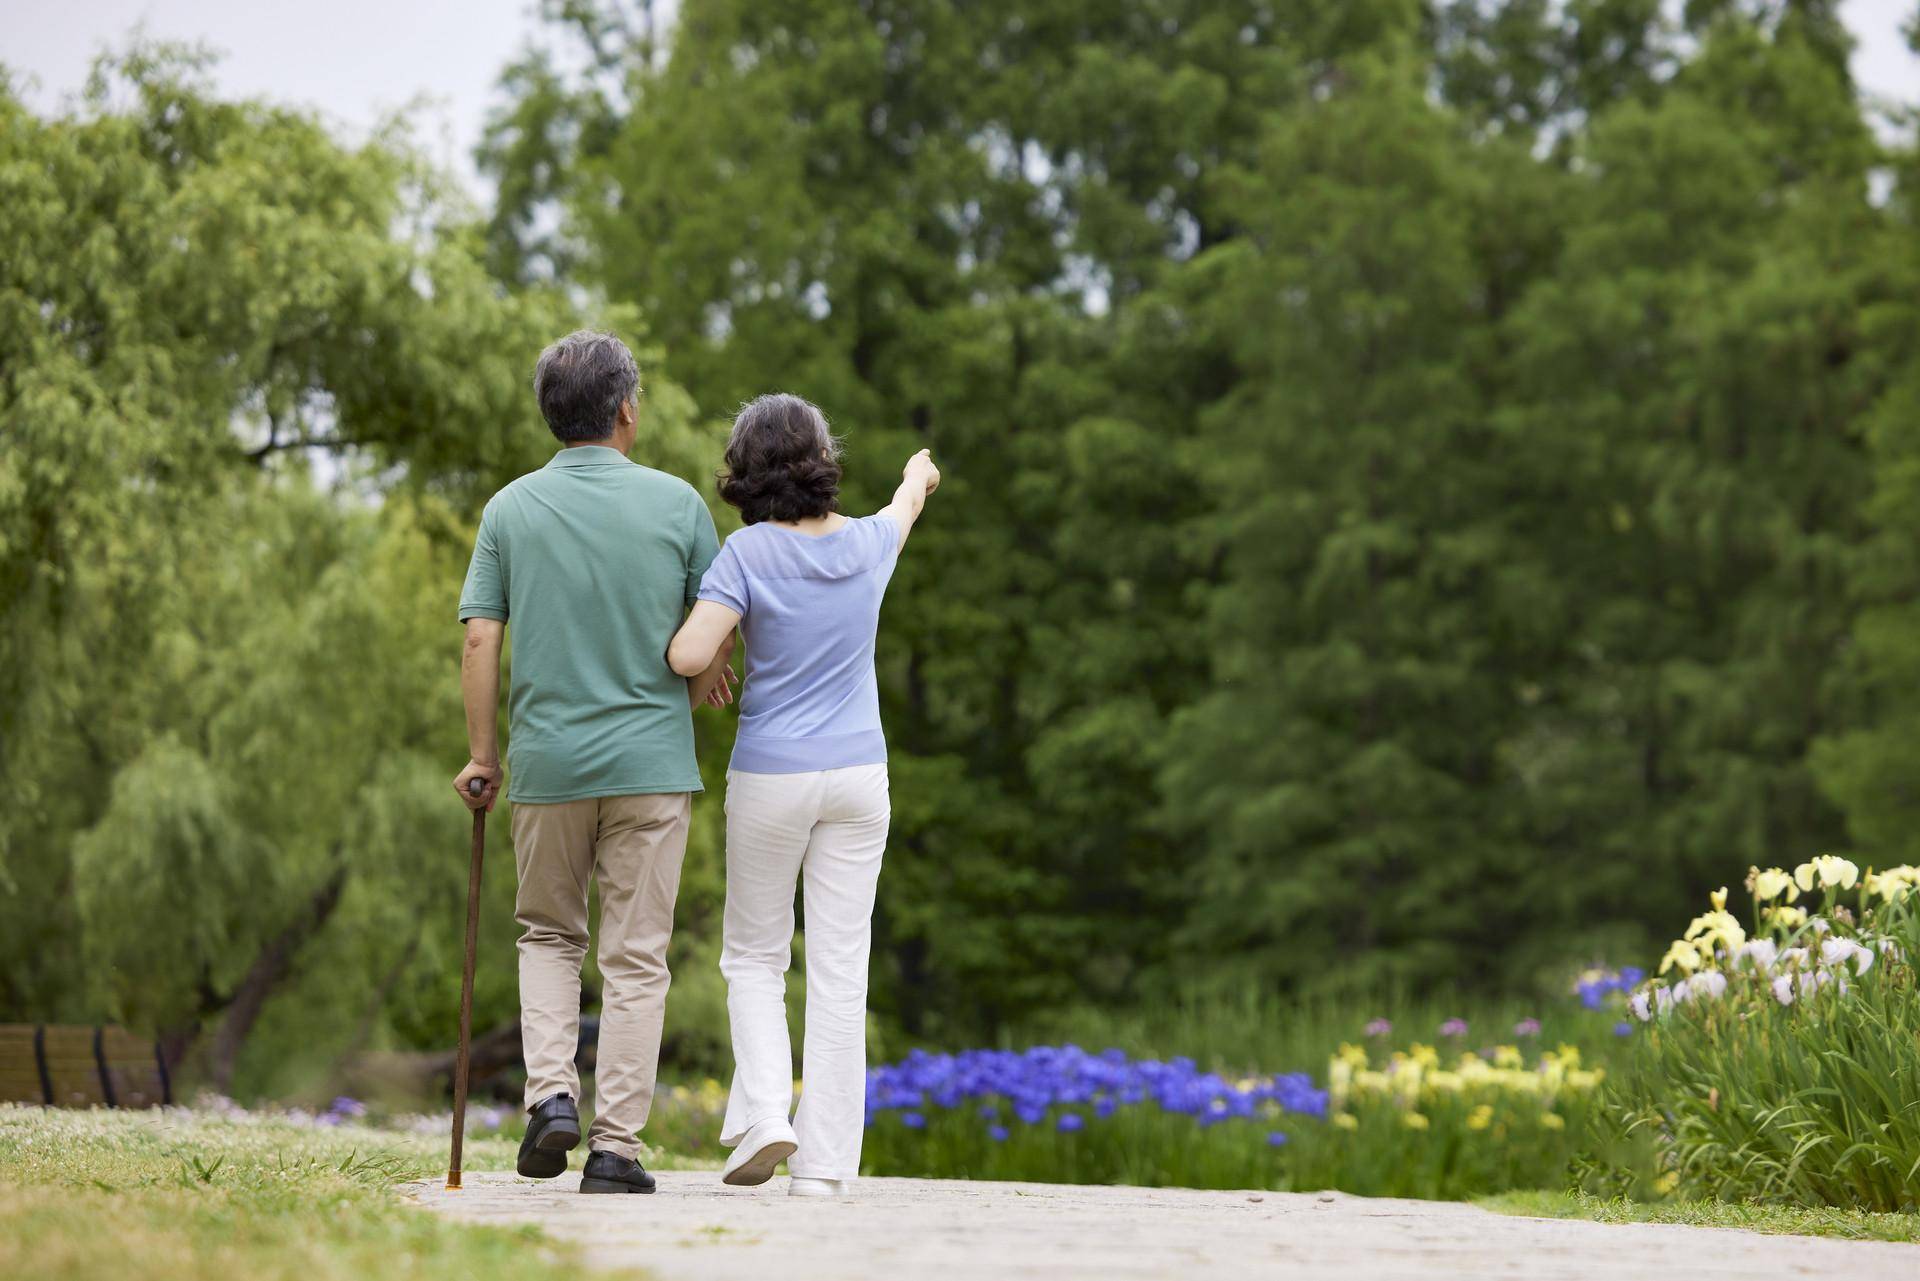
(580, 383)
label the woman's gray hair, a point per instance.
(789, 411)
(581, 382)
(782, 462)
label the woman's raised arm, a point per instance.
(917, 479)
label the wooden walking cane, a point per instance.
(474, 788)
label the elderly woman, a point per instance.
(807, 787)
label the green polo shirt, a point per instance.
(591, 562)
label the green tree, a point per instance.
(252, 385)
(1377, 615)
(1413, 476)
(1695, 366)
(1867, 768)
(1542, 479)
(948, 226)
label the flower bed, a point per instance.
(1418, 1126)
(1409, 1127)
(1783, 1063)
(1062, 1115)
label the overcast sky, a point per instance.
(358, 59)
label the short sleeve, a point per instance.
(885, 535)
(726, 581)
(485, 593)
(702, 547)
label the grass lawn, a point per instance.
(173, 1194)
(1853, 1225)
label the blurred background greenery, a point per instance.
(1432, 489)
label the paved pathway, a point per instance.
(695, 1229)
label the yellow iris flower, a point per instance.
(1771, 884)
(1684, 956)
(1893, 882)
(1718, 926)
(1828, 870)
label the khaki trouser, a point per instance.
(633, 846)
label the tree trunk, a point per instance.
(269, 968)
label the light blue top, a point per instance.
(808, 610)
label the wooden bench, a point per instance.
(77, 1067)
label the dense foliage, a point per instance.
(1427, 485)
(228, 697)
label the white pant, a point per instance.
(831, 826)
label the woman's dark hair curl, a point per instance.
(781, 461)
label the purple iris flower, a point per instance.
(1033, 1084)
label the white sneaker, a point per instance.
(761, 1148)
(801, 1185)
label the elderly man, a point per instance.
(593, 561)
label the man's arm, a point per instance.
(918, 479)
(480, 690)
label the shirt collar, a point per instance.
(588, 456)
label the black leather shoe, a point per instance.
(553, 1130)
(610, 1172)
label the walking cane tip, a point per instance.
(453, 1180)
